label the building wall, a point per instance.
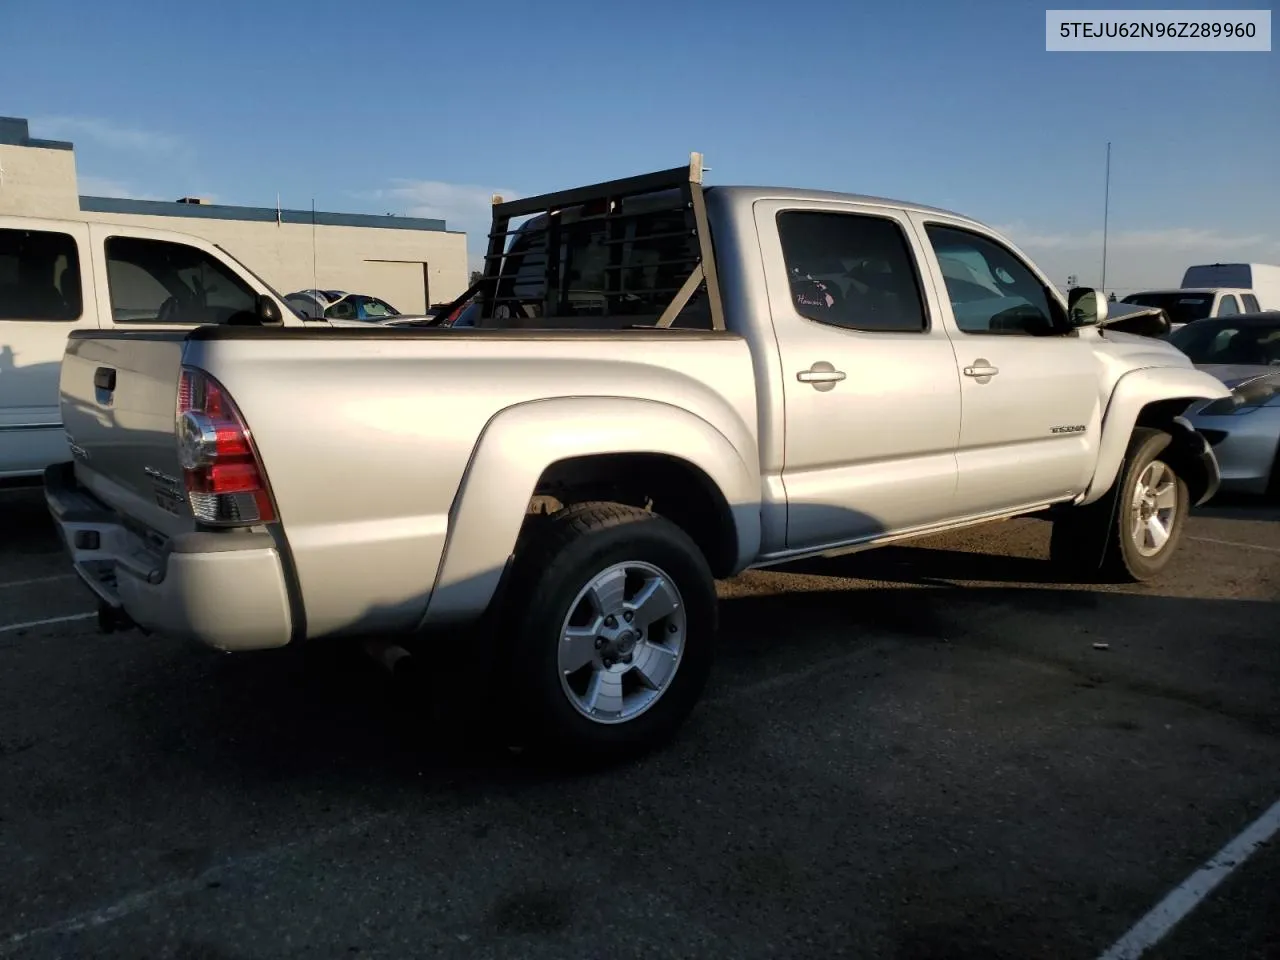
(38, 182)
(386, 263)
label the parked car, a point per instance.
(814, 380)
(447, 315)
(338, 305)
(1243, 428)
(58, 276)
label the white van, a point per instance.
(1262, 280)
(62, 275)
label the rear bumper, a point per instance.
(225, 590)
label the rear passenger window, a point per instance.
(39, 276)
(1228, 306)
(851, 270)
(156, 281)
(1250, 303)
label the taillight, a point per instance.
(226, 485)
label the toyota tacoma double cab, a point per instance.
(665, 383)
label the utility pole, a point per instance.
(1106, 212)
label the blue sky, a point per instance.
(384, 106)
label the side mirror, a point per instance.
(1087, 307)
(269, 311)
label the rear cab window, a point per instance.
(159, 281)
(852, 270)
(39, 276)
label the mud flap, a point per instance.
(1195, 456)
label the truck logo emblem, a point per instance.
(164, 478)
(1077, 428)
(167, 490)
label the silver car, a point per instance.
(1243, 352)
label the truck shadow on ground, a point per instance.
(329, 714)
(325, 711)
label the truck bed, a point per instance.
(368, 435)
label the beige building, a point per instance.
(410, 262)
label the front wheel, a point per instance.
(611, 627)
(1132, 533)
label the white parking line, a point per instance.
(10, 627)
(1183, 899)
(180, 888)
(27, 583)
(1241, 546)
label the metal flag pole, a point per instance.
(314, 280)
(1106, 211)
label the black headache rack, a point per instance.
(624, 254)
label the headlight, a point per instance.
(1245, 398)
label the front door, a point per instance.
(154, 281)
(1032, 407)
(869, 381)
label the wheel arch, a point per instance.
(1157, 398)
(591, 448)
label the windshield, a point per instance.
(1230, 343)
(1182, 307)
(373, 307)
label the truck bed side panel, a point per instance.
(366, 440)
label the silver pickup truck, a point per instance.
(696, 380)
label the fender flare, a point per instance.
(1135, 392)
(520, 442)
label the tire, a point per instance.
(1107, 539)
(613, 546)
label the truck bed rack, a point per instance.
(627, 221)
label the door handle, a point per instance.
(104, 378)
(822, 375)
(981, 370)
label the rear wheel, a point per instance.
(609, 630)
(1131, 533)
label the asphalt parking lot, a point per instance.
(916, 752)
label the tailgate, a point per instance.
(119, 396)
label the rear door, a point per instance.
(46, 291)
(870, 389)
(1032, 409)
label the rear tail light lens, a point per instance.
(225, 482)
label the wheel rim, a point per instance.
(622, 642)
(1154, 508)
